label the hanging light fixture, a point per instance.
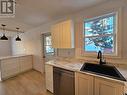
(18, 38)
(3, 37)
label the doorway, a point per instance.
(49, 52)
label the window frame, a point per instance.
(44, 45)
(114, 34)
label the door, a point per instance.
(48, 51)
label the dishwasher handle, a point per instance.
(62, 71)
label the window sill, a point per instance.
(106, 56)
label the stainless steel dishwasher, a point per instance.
(63, 82)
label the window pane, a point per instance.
(49, 49)
(94, 44)
(100, 26)
(48, 40)
(99, 34)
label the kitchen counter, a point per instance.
(13, 65)
(13, 56)
(76, 66)
(73, 66)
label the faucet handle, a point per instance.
(104, 61)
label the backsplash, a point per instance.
(70, 53)
(66, 52)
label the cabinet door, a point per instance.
(106, 87)
(9, 67)
(55, 36)
(63, 35)
(49, 77)
(25, 63)
(66, 33)
(83, 84)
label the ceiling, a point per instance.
(32, 13)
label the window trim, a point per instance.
(101, 16)
(117, 42)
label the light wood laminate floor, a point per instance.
(29, 83)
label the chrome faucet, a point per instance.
(100, 57)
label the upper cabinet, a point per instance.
(63, 34)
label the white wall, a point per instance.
(32, 44)
(5, 48)
(32, 38)
(124, 32)
(18, 47)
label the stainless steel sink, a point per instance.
(104, 70)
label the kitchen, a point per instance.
(34, 55)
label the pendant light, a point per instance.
(3, 37)
(18, 38)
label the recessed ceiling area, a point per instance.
(32, 13)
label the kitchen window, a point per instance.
(100, 34)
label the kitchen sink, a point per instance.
(104, 70)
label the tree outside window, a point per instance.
(100, 34)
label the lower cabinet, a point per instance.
(108, 87)
(49, 77)
(12, 66)
(9, 67)
(83, 84)
(90, 85)
(25, 63)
